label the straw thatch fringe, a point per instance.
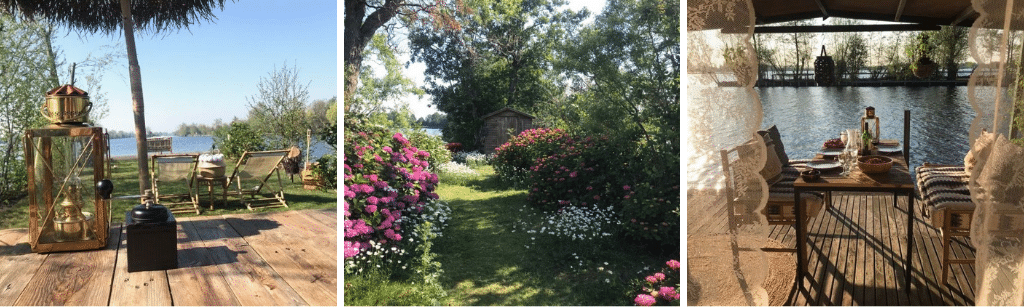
(105, 15)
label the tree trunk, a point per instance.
(137, 104)
(358, 33)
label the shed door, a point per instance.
(505, 123)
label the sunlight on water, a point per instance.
(807, 116)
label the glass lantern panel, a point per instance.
(64, 183)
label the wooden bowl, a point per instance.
(810, 175)
(878, 165)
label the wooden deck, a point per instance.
(282, 258)
(856, 256)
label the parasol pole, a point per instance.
(137, 104)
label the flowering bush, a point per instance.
(512, 160)
(386, 192)
(576, 223)
(471, 158)
(430, 143)
(660, 288)
(455, 173)
(454, 147)
(581, 173)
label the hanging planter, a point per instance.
(824, 69)
(923, 67)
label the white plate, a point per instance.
(823, 165)
(889, 149)
(831, 152)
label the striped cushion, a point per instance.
(943, 187)
(782, 193)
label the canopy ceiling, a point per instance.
(925, 13)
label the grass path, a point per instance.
(486, 263)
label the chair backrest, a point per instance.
(258, 164)
(743, 191)
(174, 167)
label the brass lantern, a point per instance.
(872, 121)
(65, 161)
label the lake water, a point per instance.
(194, 144)
(807, 116)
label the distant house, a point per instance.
(495, 130)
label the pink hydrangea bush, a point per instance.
(386, 191)
(512, 160)
(660, 288)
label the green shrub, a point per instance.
(513, 160)
(237, 139)
(437, 147)
(326, 168)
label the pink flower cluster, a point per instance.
(385, 175)
(660, 287)
(576, 174)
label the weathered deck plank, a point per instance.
(252, 280)
(280, 258)
(295, 255)
(73, 278)
(147, 288)
(857, 249)
(17, 258)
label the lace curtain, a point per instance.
(997, 186)
(725, 229)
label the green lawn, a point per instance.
(486, 263)
(126, 182)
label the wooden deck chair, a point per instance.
(251, 174)
(174, 183)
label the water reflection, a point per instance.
(807, 116)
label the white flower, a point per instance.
(607, 281)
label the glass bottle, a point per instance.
(866, 139)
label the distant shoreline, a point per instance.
(135, 157)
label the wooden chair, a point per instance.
(167, 170)
(253, 170)
(779, 209)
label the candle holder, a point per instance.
(872, 121)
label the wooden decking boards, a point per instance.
(857, 249)
(282, 258)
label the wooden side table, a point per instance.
(210, 182)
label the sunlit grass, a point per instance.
(124, 175)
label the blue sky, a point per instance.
(207, 72)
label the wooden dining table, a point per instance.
(897, 181)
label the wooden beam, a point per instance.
(824, 11)
(826, 29)
(899, 10)
(969, 11)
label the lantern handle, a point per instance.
(823, 53)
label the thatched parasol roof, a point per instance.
(105, 16)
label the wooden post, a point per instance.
(137, 104)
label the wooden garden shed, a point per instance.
(497, 124)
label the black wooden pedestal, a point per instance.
(151, 246)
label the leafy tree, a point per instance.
(850, 51)
(372, 95)
(799, 56)
(361, 26)
(237, 138)
(501, 57)
(319, 113)
(950, 48)
(279, 109)
(26, 63)
(629, 61)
